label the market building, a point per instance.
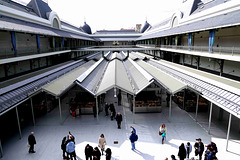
(193, 57)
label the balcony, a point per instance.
(232, 51)
(8, 53)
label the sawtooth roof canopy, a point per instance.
(115, 72)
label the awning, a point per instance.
(169, 83)
(115, 73)
(219, 90)
(62, 84)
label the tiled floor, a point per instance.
(87, 129)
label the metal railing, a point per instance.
(215, 50)
(8, 53)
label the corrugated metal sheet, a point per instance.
(141, 79)
(92, 80)
(224, 20)
(171, 84)
(60, 85)
(12, 24)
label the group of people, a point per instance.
(111, 108)
(95, 154)
(118, 117)
(185, 150)
(68, 147)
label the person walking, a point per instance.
(31, 142)
(188, 148)
(96, 154)
(182, 152)
(113, 111)
(102, 142)
(88, 152)
(106, 107)
(199, 148)
(133, 137)
(163, 131)
(70, 148)
(63, 146)
(119, 120)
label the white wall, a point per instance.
(26, 41)
(228, 37)
(201, 39)
(231, 68)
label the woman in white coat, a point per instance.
(102, 142)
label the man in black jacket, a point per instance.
(119, 120)
(199, 148)
(88, 151)
(31, 142)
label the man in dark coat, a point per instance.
(31, 142)
(96, 154)
(88, 151)
(63, 146)
(106, 107)
(133, 137)
(199, 148)
(113, 111)
(119, 120)
(108, 154)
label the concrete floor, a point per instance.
(87, 129)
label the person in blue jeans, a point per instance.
(70, 148)
(133, 138)
(163, 131)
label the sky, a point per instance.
(112, 14)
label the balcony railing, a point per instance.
(215, 50)
(8, 53)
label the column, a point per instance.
(210, 119)
(196, 107)
(211, 39)
(189, 41)
(60, 109)
(38, 43)
(229, 127)
(14, 44)
(1, 150)
(170, 108)
(134, 109)
(19, 127)
(32, 111)
(96, 108)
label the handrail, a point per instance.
(215, 50)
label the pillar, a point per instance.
(60, 110)
(210, 118)
(229, 127)
(32, 111)
(19, 127)
(134, 109)
(196, 107)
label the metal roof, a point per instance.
(15, 94)
(222, 91)
(114, 72)
(171, 84)
(12, 24)
(60, 85)
(223, 20)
